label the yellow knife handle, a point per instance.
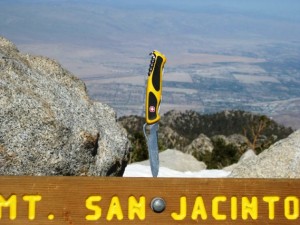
(154, 87)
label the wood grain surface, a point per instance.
(99, 200)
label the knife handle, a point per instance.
(154, 87)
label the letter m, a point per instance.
(10, 203)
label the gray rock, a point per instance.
(201, 145)
(49, 125)
(281, 160)
(177, 160)
(249, 154)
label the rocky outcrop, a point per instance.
(281, 160)
(199, 146)
(48, 124)
(231, 133)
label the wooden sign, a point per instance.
(165, 201)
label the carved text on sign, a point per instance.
(58, 200)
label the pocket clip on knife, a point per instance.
(152, 105)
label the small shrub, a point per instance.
(223, 155)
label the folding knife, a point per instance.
(152, 106)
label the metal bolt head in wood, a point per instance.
(158, 204)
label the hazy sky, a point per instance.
(53, 27)
(70, 15)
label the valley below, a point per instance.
(207, 83)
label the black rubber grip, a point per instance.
(157, 73)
